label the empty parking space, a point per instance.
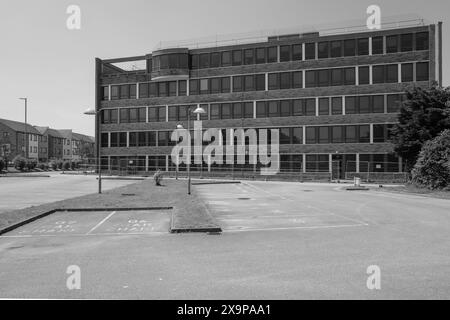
(250, 207)
(86, 223)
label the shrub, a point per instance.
(59, 164)
(2, 165)
(20, 163)
(432, 168)
(31, 164)
(66, 165)
(53, 165)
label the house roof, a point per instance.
(54, 133)
(83, 137)
(19, 126)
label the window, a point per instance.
(214, 111)
(151, 138)
(378, 104)
(272, 54)
(152, 114)
(162, 89)
(350, 105)
(152, 89)
(349, 76)
(422, 71)
(285, 137)
(261, 109)
(285, 80)
(364, 104)
(248, 56)
(248, 110)
(193, 87)
(260, 55)
(407, 72)
(336, 77)
(183, 113)
(297, 52)
(133, 139)
(310, 135)
(182, 88)
(363, 47)
(336, 49)
(379, 133)
(363, 75)
(172, 88)
(323, 78)
(226, 111)
(322, 50)
(133, 115)
(124, 91)
(122, 139)
(310, 51)
(392, 44)
(260, 82)
(364, 134)
(285, 108)
(226, 58)
(273, 108)
(124, 118)
(215, 60)
(114, 139)
(114, 92)
(297, 79)
(336, 105)
(204, 86)
(237, 57)
(114, 116)
(350, 134)
(249, 83)
(393, 103)
(237, 83)
(204, 60)
(105, 117)
(298, 107)
(324, 106)
(173, 113)
(336, 134)
(310, 107)
(392, 73)
(274, 81)
(285, 53)
(105, 93)
(349, 47)
(143, 90)
(104, 139)
(215, 85)
(422, 41)
(225, 84)
(162, 114)
(378, 74)
(237, 110)
(163, 138)
(406, 42)
(297, 135)
(377, 45)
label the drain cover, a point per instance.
(307, 190)
(128, 194)
(243, 198)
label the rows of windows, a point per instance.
(170, 61)
(287, 135)
(362, 104)
(324, 49)
(388, 73)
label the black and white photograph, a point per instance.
(224, 155)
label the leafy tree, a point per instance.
(423, 115)
(433, 165)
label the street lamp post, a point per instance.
(198, 110)
(91, 112)
(26, 127)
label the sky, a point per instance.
(41, 59)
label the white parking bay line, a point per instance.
(101, 222)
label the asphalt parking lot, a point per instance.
(280, 241)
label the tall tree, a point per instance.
(423, 115)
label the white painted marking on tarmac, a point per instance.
(101, 222)
(293, 228)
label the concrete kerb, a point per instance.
(46, 213)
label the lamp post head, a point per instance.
(90, 111)
(179, 126)
(199, 110)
